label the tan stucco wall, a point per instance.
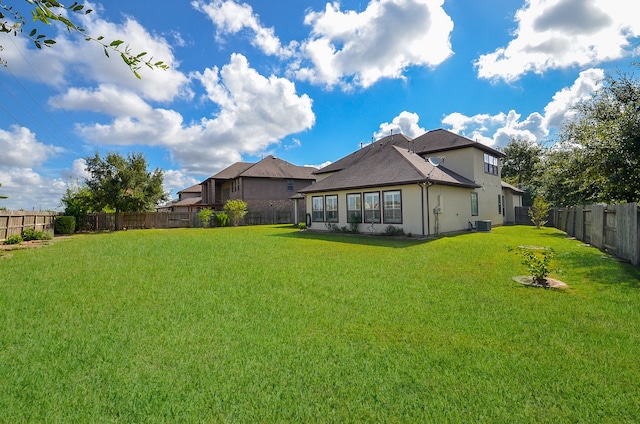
(454, 202)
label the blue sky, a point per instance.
(304, 81)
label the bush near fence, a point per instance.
(614, 229)
(15, 222)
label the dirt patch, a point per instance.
(552, 283)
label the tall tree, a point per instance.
(12, 21)
(521, 164)
(124, 184)
(521, 167)
(605, 136)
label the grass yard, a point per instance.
(268, 324)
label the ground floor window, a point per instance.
(392, 207)
(499, 204)
(372, 207)
(474, 204)
(331, 204)
(354, 208)
(317, 209)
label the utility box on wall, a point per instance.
(484, 225)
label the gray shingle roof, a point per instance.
(196, 188)
(384, 164)
(440, 140)
(269, 167)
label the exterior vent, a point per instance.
(484, 225)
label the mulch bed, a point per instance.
(552, 283)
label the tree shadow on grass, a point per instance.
(598, 266)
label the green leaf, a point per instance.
(100, 38)
(106, 52)
(49, 42)
(33, 32)
(137, 74)
(116, 43)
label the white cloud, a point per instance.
(254, 112)
(559, 109)
(405, 123)
(557, 34)
(500, 128)
(176, 180)
(27, 189)
(20, 148)
(74, 58)
(231, 18)
(359, 49)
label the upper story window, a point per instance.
(289, 185)
(490, 164)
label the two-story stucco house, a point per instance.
(439, 182)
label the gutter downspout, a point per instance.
(422, 203)
(428, 184)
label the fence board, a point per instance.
(15, 222)
(628, 240)
(615, 228)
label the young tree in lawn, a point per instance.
(236, 209)
(12, 21)
(124, 184)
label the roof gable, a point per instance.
(273, 167)
(441, 140)
(384, 165)
(269, 167)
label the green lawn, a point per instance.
(268, 324)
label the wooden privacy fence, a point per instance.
(612, 228)
(15, 222)
(139, 220)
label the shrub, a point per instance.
(236, 209)
(31, 234)
(332, 227)
(222, 219)
(14, 239)
(391, 230)
(302, 226)
(65, 224)
(538, 261)
(354, 220)
(539, 211)
(205, 217)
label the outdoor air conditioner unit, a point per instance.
(484, 225)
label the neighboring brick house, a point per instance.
(268, 187)
(188, 201)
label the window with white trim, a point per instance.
(392, 207)
(372, 207)
(490, 164)
(317, 209)
(331, 206)
(354, 208)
